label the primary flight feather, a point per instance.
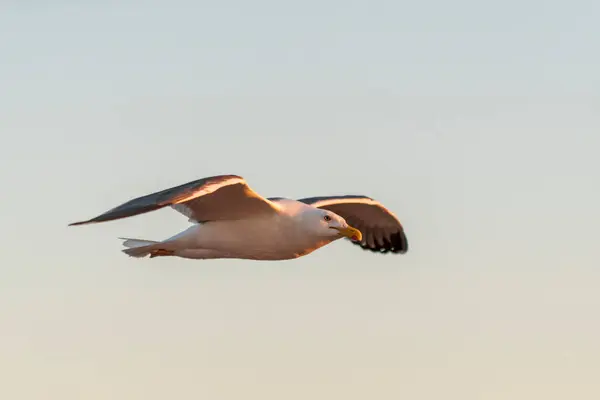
(230, 220)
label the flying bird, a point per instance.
(230, 220)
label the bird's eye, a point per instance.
(327, 218)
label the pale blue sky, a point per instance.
(478, 124)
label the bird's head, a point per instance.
(325, 223)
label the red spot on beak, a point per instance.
(354, 238)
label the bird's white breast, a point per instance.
(273, 237)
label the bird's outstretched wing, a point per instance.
(222, 197)
(381, 229)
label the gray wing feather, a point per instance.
(381, 229)
(213, 198)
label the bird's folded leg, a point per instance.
(161, 252)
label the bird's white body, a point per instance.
(275, 237)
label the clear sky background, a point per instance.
(477, 123)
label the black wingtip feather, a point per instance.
(397, 243)
(79, 223)
(118, 213)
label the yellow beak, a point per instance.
(350, 232)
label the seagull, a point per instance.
(230, 220)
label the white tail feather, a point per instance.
(137, 242)
(138, 248)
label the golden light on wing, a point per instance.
(213, 198)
